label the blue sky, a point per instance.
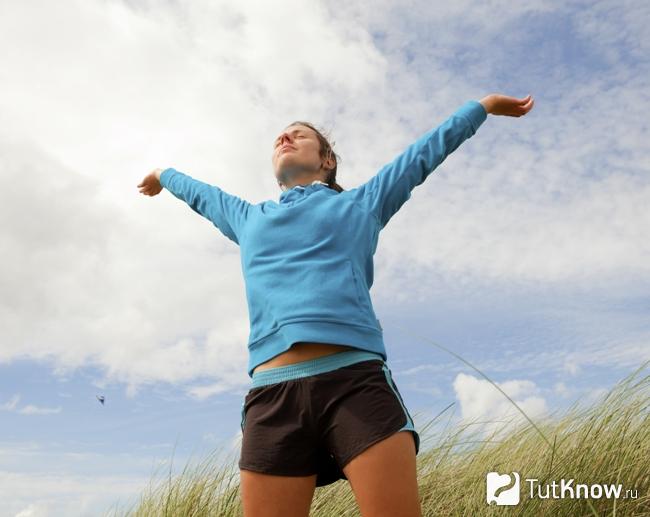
(525, 252)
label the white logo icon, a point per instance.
(502, 488)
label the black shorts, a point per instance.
(313, 417)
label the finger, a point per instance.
(522, 108)
(516, 103)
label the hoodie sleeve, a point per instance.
(391, 187)
(226, 211)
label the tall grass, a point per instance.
(607, 442)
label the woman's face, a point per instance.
(296, 154)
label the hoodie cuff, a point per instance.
(473, 111)
(165, 175)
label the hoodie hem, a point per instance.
(357, 336)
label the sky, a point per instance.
(525, 252)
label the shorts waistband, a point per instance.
(312, 367)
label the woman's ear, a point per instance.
(329, 160)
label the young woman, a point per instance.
(323, 404)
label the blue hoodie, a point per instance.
(307, 260)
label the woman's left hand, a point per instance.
(498, 104)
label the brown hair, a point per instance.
(325, 152)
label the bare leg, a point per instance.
(264, 495)
(384, 478)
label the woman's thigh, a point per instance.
(384, 478)
(368, 428)
(265, 495)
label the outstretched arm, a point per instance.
(391, 187)
(226, 211)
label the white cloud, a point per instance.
(34, 510)
(572, 364)
(29, 409)
(481, 402)
(55, 494)
(619, 33)
(11, 405)
(51, 479)
(561, 389)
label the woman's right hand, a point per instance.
(497, 104)
(150, 185)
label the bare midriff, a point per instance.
(302, 351)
